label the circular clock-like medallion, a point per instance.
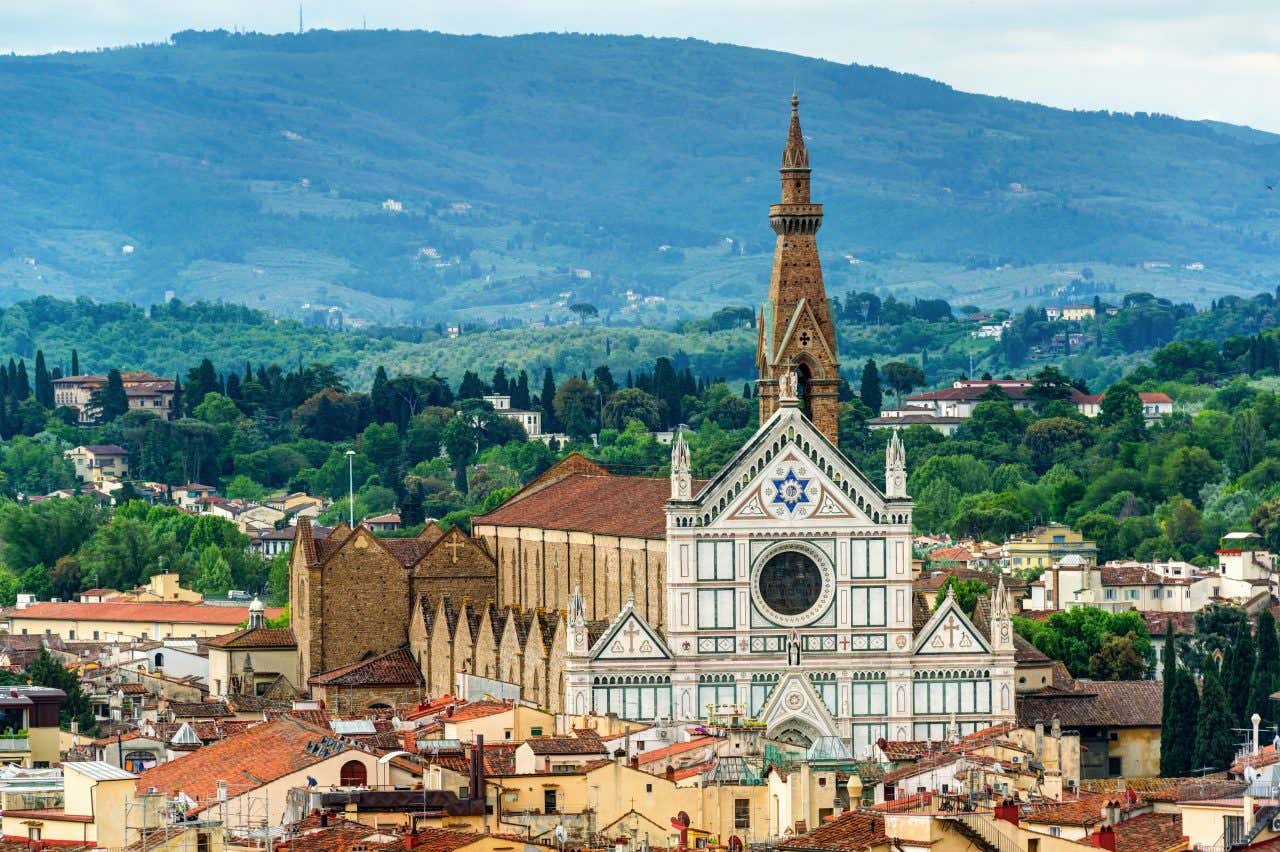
(792, 583)
(794, 700)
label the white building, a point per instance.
(790, 604)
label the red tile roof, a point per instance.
(849, 831)
(661, 754)
(583, 742)
(263, 753)
(476, 710)
(394, 668)
(1085, 810)
(608, 505)
(1149, 833)
(144, 613)
(256, 637)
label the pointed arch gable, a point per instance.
(950, 631)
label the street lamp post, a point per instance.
(351, 489)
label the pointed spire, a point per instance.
(577, 608)
(681, 469)
(795, 156)
(895, 468)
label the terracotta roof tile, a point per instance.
(582, 742)
(1149, 833)
(852, 830)
(1095, 703)
(261, 754)
(477, 710)
(1084, 810)
(394, 668)
(609, 505)
(199, 709)
(146, 613)
(256, 637)
(661, 754)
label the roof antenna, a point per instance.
(299, 19)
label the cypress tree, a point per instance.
(520, 392)
(75, 363)
(21, 384)
(1167, 742)
(1184, 708)
(1236, 677)
(1214, 748)
(871, 393)
(44, 384)
(1264, 681)
(111, 401)
(380, 396)
(550, 424)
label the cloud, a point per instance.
(1183, 57)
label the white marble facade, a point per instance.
(789, 602)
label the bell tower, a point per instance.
(795, 328)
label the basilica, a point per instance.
(787, 595)
(777, 593)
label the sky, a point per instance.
(1198, 59)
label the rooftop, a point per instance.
(146, 613)
(394, 668)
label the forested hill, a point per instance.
(414, 175)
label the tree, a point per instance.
(1170, 674)
(1248, 440)
(1189, 469)
(65, 577)
(575, 407)
(631, 404)
(1047, 386)
(213, 574)
(1118, 658)
(583, 310)
(1214, 743)
(43, 533)
(111, 401)
(1122, 408)
(1265, 520)
(278, 579)
(1265, 680)
(1054, 439)
(902, 377)
(44, 384)
(870, 392)
(550, 423)
(460, 443)
(967, 593)
(413, 506)
(1236, 677)
(217, 410)
(1176, 749)
(201, 380)
(47, 671)
(242, 487)
(75, 363)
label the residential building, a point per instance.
(531, 421)
(91, 789)
(1042, 547)
(29, 718)
(191, 495)
(383, 523)
(125, 621)
(1118, 722)
(98, 462)
(1078, 313)
(145, 392)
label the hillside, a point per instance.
(422, 177)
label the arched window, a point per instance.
(138, 761)
(159, 660)
(353, 774)
(804, 378)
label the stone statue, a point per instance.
(789, 387)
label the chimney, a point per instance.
(411, 742)
(1248, 814)
(1105, 838)
(477, 769)
(669, 773)
(1256, 720)
(1055, 729)
(635, 762)
(1039, 740)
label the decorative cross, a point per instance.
(844, 642)
(454, 545)
(804, 338)
(631, 633)
(951, 627)
(742, 643)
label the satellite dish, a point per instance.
(561, 834)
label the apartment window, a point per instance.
(741, 813)
(549, 800)
(1232, 830)
(535, 732)
(1115, 767)
(1108, 594)
(464, 792)
(1055, 831)
(1131, 594)
(648, 788)
(71, 634)
(95, 636)
(506, 735)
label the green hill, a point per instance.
(422, 177)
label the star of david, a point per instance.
(790, 491)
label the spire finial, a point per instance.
(794, 156)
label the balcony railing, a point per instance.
(12, 743)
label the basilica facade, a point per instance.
(787, 598)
